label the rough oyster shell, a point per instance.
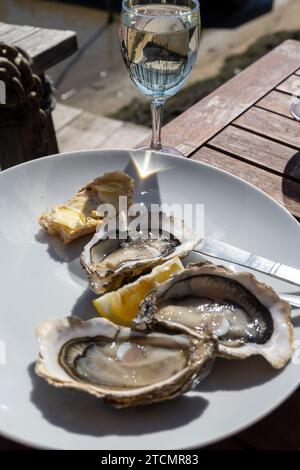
(110, 263)
(124, 367)
(79, 216)
(246, 316)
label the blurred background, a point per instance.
(235, 33)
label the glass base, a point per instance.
(295, 110)
(164, 149)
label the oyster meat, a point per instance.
(122, 366)
(111, 262)
(79, 215)
(245, 316)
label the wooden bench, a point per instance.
(45, 47)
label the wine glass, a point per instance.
(295, 110)
(159, 43)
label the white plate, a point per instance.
(40, 278)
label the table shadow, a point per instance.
(60, 252)
(233, 374)
(296, 318)
(292, 173)
(83, 307)
(80, 413)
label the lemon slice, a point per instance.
(122, 305)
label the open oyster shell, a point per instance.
(245, 316)
(79, 216)
(124, 367)
(111, 262)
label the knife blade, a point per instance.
(224, 251)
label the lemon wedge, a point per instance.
(122, 305)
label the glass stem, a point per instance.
(157, 108)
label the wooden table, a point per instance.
(245, 128)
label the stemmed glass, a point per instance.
(159, 43)
(295, 110)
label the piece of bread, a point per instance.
(79, 215)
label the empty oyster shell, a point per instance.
(79, 215)
(111, 262)
(246, 316)
(124, 367)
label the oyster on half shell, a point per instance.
(245, 316)
(110, 262)
(122, 366)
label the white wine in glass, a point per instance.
(159, 43)
(295, 110)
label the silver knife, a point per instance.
(226, 252)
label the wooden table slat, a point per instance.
(277, 102)
(283, 190)
(5, 28)
(291, 85)
(64, 115)
(47, 47)
(82, 133)
(208, 117)
(258, 150)
(278, 128)
(14, 35)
